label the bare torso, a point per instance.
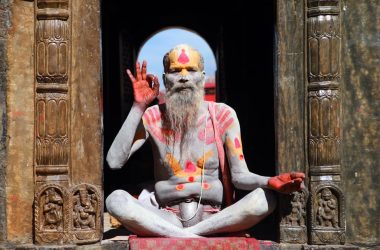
(179, 170)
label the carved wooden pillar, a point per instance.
(63, 212)
(327, 216)
(52, 136)
(52, 142)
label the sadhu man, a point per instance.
(188, 137)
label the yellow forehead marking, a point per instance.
(184, 58)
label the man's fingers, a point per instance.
(138, 71)
(131, 76)
(149, 79)
(143, 70)
(156, 86)
(297, 181)
(295, 175)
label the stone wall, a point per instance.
(4, 24)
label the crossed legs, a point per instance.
(150, 221)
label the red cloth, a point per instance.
(217, 243)
(228, 189)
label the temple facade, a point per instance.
(314, 69)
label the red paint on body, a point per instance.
(190, 167)
(183, 58)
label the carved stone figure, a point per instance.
(188, 136)
(84, 213)
(298, 211)
(327, 213)
(52, 210)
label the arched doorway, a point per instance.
(243, 64)
(155, 47)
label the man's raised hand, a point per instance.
(143, 90)
(287, 182)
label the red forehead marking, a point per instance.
(183, 58)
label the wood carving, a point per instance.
(86, 207)
(52, 142)
(50, 208)
(324, 131)
(63, 215)
(328, 217)
(52, 103)
(324, 119)
(52, 51)
(293, 225)
(52, 113)
(327, 209)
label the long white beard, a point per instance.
(182, 106)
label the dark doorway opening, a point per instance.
(243, 43)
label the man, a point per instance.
(184, 133)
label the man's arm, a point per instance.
(132, 134)
(242, 178)
(130, 138)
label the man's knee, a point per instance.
(262, 202)
(116, 200)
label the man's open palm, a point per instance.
(287, 182)
(143, 90)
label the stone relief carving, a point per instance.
(327, 211)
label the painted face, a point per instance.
(184, 69)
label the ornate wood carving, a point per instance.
(52, 104)
(326, 210)
(62, 217)
(86, 207)
(50, 208)
(328, 217)
(64, 214)
(293, 227)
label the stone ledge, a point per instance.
(114, 245)
(286, 246)
(330, 247)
